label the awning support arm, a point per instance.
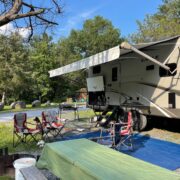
(171, 54)
(126, 45)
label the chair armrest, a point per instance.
(63, 120)
(31, 123)
(125, 127)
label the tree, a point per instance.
(30, 14)
(97, 35)
(43, 58)
(15, 69)
(163, 24)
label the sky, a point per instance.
(122, 13)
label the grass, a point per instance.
(5, 178)
(6, 133)
(6, 139)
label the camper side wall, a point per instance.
(135, 80)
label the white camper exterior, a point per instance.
(129, 79)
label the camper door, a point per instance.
(96, 92)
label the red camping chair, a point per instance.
(126, 133)
(22, 133)
(120, 134)
(52, 124)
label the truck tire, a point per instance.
(142, 122)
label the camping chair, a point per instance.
(23, 133)
(126, 133)
(120, 134)
(52, 124)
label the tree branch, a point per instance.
(46, 20)
(6, 18)
(30, 13)
(31, 27)
(57, 6)
(31, 6)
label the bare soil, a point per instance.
(163, 135)
(164, 129)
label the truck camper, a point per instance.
(143, 77)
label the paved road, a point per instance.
(30, 113)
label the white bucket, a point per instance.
(22, 163)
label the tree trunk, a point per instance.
(3, 97)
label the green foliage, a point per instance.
(43, 55)
(97, 35)
(15, 66)
(163, 24)
(24, 67)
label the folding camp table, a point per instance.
(63, 107)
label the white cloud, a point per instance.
(73, 22)
(6, 29)
(9, 28)
(24, 32)
(87, 14)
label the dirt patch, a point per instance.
(10, 172)
(163, 135)
(164, 129)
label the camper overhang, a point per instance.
(100, 58)
(107, 56)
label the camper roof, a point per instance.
(100, 58)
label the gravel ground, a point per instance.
(164, 129)
(163, 134)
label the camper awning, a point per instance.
(100, 58)
(97, 59)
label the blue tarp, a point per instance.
(155, 151)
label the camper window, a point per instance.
(165, 73)
(114, 74)
(96, 69)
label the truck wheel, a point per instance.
(142, 122)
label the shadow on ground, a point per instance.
(168, 124)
